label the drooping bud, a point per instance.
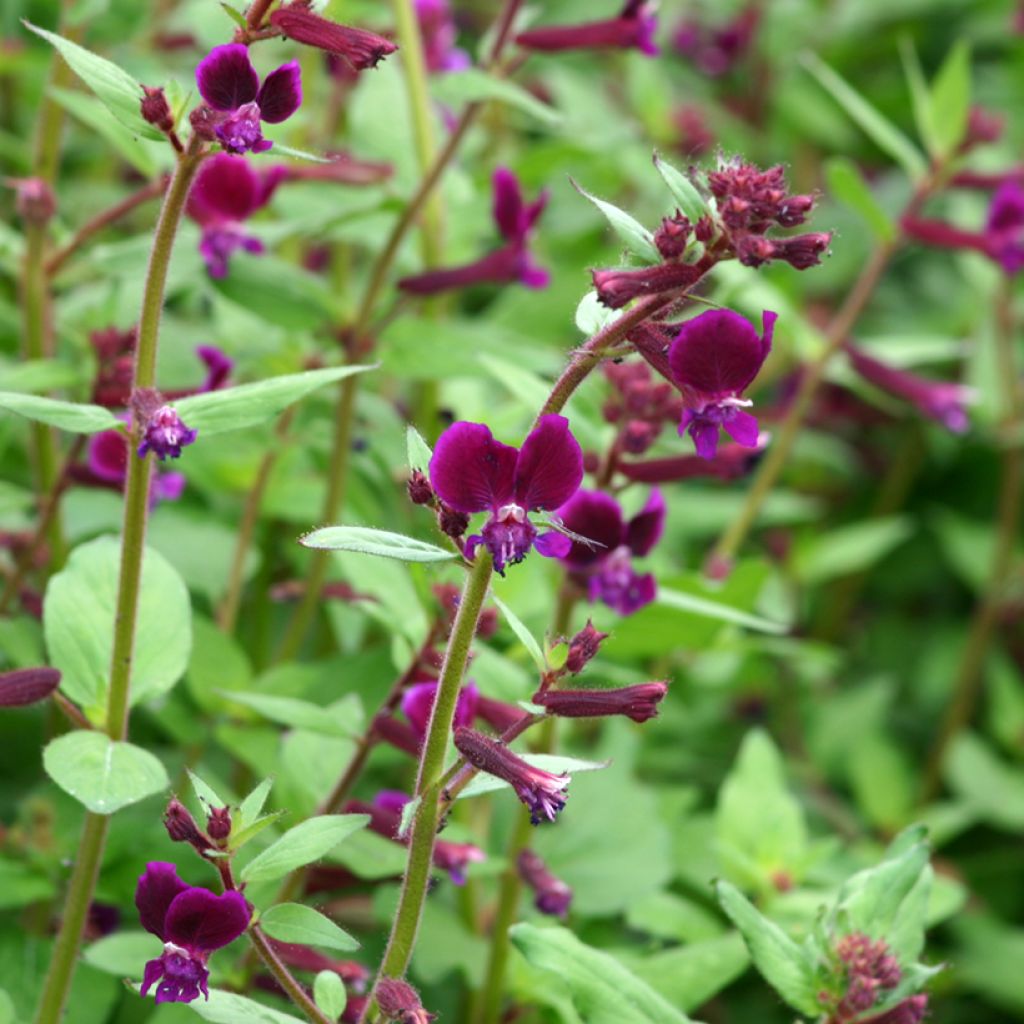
(26, 686)
(803, 251)
(360, 48)
(218, 823)
(156, 110)
(400, 1002)
(551, 894)
(34, 201)
(639, 702)
(420, 491)
(583, 647)
(182, 827)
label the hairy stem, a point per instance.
(298, 995)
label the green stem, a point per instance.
(782, 443)
(90, 849)
(970, 670)
(298, 995)
(76, 909)
(426, 820)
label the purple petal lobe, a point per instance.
(644, 530)
(226, 77)
(281, 93)
(226, 188)
(470, 470)
(508, 211)
(742, 428)
(201, 921)
(108, 456)
(240, 132)
(596, 516)
(550, 466)
(705, 438)
(534, 276)
(553, 544)
(716, 353)
(157, 889)
(151, 975)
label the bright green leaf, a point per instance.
(342, 718)
(301, 845)
(635, 236)
(707, 608)
(949, 100)
(71, 416)
(418, 453)
(474, 85)
(375, 542)
(295, 922)
(526, 638)
(847, 184)
(227, 1008)
(688, 198)
(329, 994)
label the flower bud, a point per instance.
(361, 49)
(182, 827)
(163, 432)
(704, 229)
(552, 895)
(420, 491)
(583, 646)
(451, 523)
(156, 110)
(617, 287)
(909, 1011)
(34, 201)
(26, 686)
(400, 1002)
(803, 251)
(670, 239)
(639, 702)
(218, 824)
(793, 210)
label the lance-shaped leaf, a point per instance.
(636, 237)
(302, 845)
(375, 542)
(74, 417)
(691, 203)
(295, 922)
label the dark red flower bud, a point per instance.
(718, 567)
(420, 491)
(982, 127)
(704, 230)
(871, 970)
(670, 239)
(182, 827)
(156, 110)
(617, 287)
(583, 647)
(639, 435)
(639, 702)
(360, 48)
(793, 210)
(204, 123)
(803, 251)
(34, 201)
(26, 686)
(450, 522)
(355, 1009)
(909, 1011)
(218, 823)
(755, 250)
(552, 895)
(400, 1002)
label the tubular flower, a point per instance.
(543, 793)
(606, 568)
(713, 360)
(551, 894)
(634, 28)
(229, 84)
(639, 702)
(192, 923)
(357, 47)
(508, 264)
(418, 705)
(938, 400)
(471, 472)
(227, 192)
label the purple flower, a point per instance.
(107, 459)
(230, 85)
(192, 923)
(938, 400)
(507, 265)
(713, 360)
(606, 569)
(471, 472)
(228, 191)
(357, 47)
(438, 32)
(551, 894)
(165, 434)
(218, 367)
(418, 705)
(638, 702)
(634, 28)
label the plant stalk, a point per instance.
(298, 995)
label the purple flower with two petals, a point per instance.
(606, 569)
(418, 705)
(634, 28)
(107, 462)
(191, 923)
(509, 264)
(714, 359)
(227, 192)
(230, 85)
(471, 472)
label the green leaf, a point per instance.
(238, 839)
(278, 292)
(850, 548)
(235, 15)
(227, 1008)
(342, 718)
(78, 621)
(592, 316)
(102, 774)
(918, 87)
(601, 988)
(216, 412)
(121, 94)
(687, 196)
(847, 184)
(994, 789)
(302, 845)
(375, 542)
(786, 966)
(206, 793)
(635, 236)
(418, 453)
(38, 374)
(329, 994)
(295, 922)
(71, 416)
(123, 953)
(475, 86)
(707, 608)
(881, 130)
(300, 154)
(554, 763)
(249, 809)
(526, 638)
(949, 101)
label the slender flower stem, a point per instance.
(298, 995)
(970, 675)
(428, 782)
(255, 14)
(136, 506)
(103, 219)
(782, 444)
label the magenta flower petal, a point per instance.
(534, 276)
(553, 544)
(508, 210)
(167, 486)
(226, 77)
(108, 456)
(218, 365)
(470, 471)
(718, 352)
(157, 889)
(705, 438)
(280, 94)
(742, 428)
(226, 188)
(596, 516)
(549, 469)
(644, 530)
(201, 921)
